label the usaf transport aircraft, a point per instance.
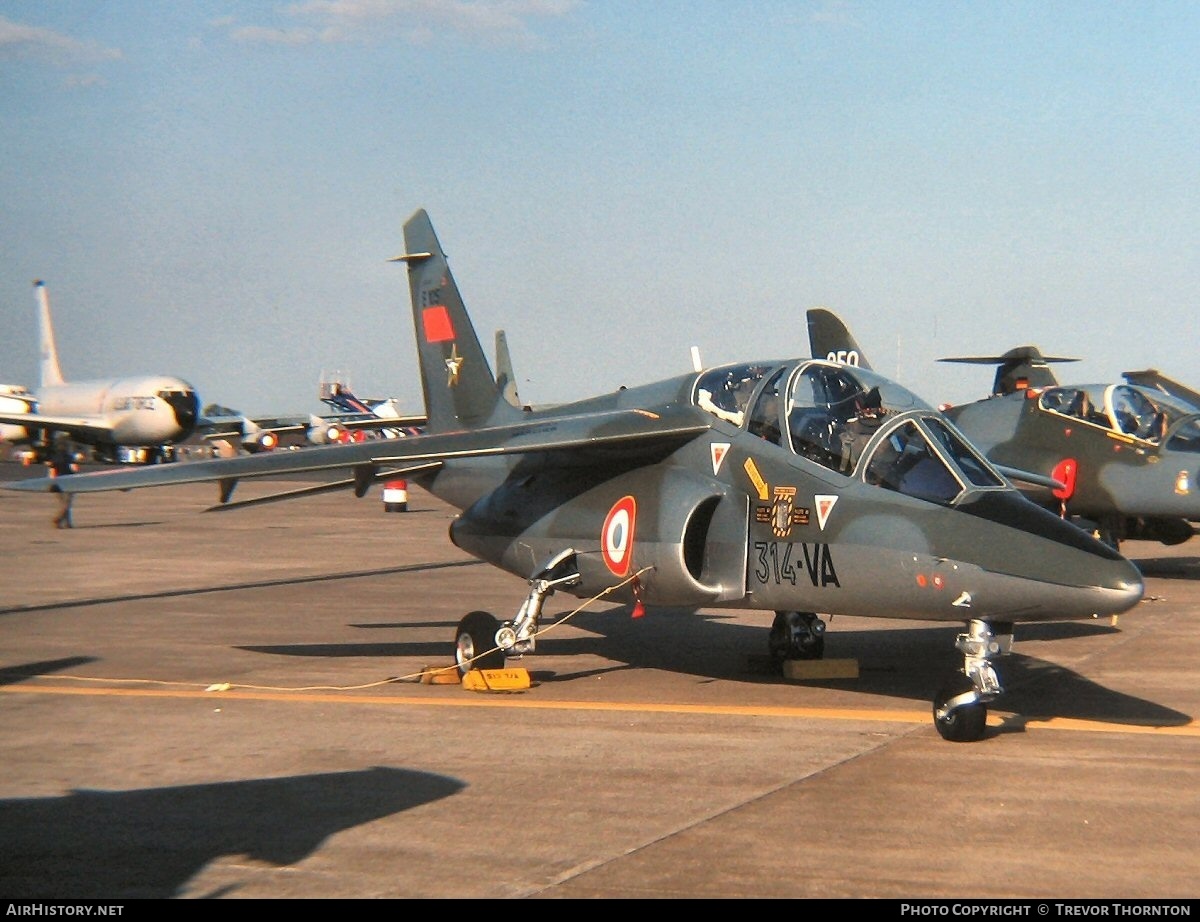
(136, 419)
(733, 487)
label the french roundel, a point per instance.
(617, 539)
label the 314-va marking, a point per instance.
(775, 563)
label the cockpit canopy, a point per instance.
(1138, 412)
(850, 420)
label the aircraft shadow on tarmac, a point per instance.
(147, 844)
(1170, 567)
(893, 663)
(231, 587)
(111, 525)
(14, 675)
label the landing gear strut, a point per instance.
(796, 635)
(960, 706)
(482, 642)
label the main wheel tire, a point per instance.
(779, 639)
(475, 643)
(964, 724)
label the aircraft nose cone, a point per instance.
(1116, 587)
(1075, 575)
(1124, 586)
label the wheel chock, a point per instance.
(440, 675)
(497, 680)
(820, 669)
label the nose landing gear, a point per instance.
(960, 706)
(482, 642)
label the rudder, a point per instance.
(49, 372)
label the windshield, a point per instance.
(978, 472)
(906, 462)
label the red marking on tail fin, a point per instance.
(438, 328)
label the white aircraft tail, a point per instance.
(48, 367)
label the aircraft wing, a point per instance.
(581, 437)
(254, 435)
(370, 421)
(79, 427)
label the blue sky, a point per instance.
(213, 189)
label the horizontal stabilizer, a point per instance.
(1000, 359)
(1018, 368)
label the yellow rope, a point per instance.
(411, 677)
(564, 619)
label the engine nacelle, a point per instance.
(259, 441)
(14, 399)
(321, 432)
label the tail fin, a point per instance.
(341, 398)
(460, 390)
(829, 339)
(50, 372)
(506, 381)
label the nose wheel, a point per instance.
(958, 714)
(960, 706)
(482, 642)
(475, 643)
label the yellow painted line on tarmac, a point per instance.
(1004, 721)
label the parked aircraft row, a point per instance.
(718, 488)
(1121, 459)
(147, 413)
(143, 419)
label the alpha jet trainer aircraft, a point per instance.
(1121, 460)
(1127, 454)
(724, 488)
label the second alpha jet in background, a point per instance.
(1120, 459)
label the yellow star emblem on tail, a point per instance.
(453, 365)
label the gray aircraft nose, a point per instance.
(1092, 579)
(1078, 575)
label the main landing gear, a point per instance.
(482, 642)
(796, 635)
(960, 706)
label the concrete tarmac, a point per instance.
(226, 705)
